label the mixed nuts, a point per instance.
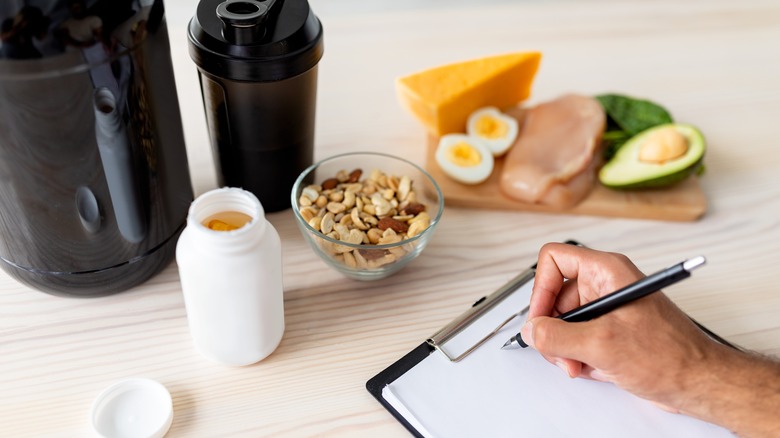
(381, 209)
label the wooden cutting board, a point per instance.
(682, 202)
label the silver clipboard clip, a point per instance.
(479, 308)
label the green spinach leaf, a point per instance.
(632, 115)
(626, 117)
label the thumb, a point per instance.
(553, 337)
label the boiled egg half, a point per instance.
(464, 158)
(493, 128)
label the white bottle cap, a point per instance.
(133, 408)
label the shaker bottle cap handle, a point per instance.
(255, 40)
(242, 20)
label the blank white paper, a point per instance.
(496, 393)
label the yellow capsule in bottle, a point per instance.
(227, 221)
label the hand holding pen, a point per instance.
(616, 343)
(623, 296)
(647, 346)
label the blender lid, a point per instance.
(255, 40)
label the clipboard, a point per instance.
(459, 382)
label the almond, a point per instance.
(355, 175)
(414, 209)
(330, 183)
(395, 225)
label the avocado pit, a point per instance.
(663, 145)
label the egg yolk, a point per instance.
(463, 155)
(491, 128)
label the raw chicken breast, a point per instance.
(554, 159)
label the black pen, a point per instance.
(607, 303)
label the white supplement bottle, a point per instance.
(230, 265)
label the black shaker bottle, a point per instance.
(258, 72)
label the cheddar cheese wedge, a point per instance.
(442, 98)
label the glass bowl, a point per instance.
(362, 212)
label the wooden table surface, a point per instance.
(715, 64)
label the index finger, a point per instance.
(557, 263)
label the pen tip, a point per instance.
(507, 344)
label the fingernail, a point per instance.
(527, 332)
(562, 365)
(598, 375)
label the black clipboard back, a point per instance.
(376, 384)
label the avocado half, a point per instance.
(626, 171)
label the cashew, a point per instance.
(369, 219)
(346, 220)
(336, 207)
(381, 206)
(397, 251)
(307, 213)
(404, 187)
(327, 222)
(349, 260)
(361, 261)
(342, 231)
(387, 240)
(315, 222)
(354, 188)
(341, 249)
(342, 175)
(422, 217)
(388, 194)
(416, 228)
(356, 219)
(311, 194)
(354, 237)
(386, 260)
(374, 234)
(392, 182)
(349, 199)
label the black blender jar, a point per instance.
(94, 181)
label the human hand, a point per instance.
(648, 347)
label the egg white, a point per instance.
(465, 174)
(497, 146)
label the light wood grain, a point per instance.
(714, 64)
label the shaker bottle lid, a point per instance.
(255, 40)
(133, 408)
